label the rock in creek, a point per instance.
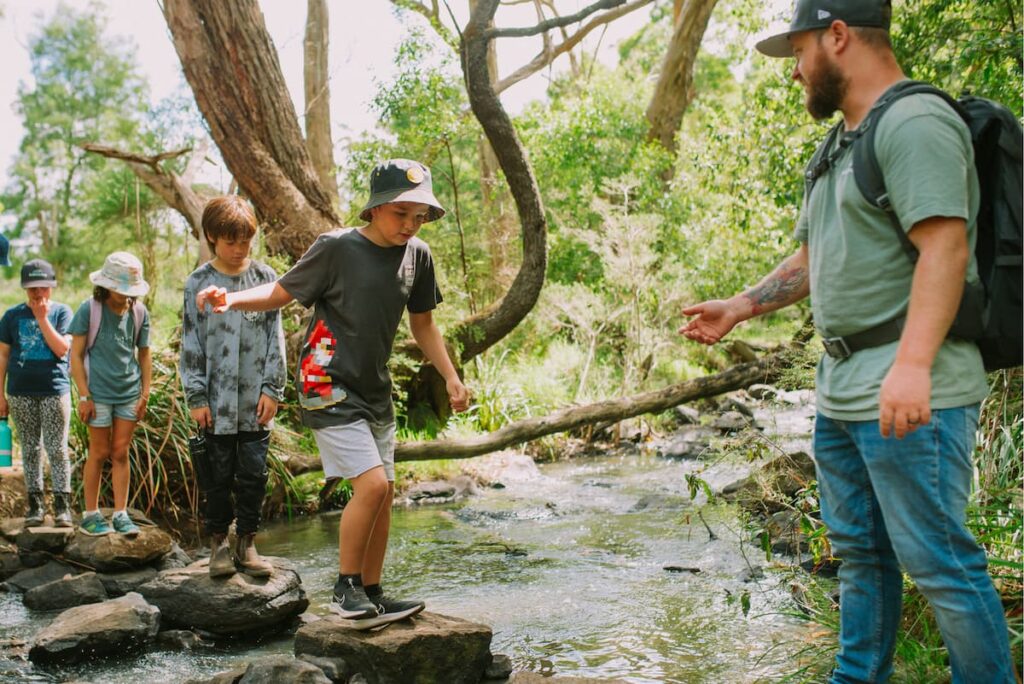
(501, 468)
(66, 593)
(10, 563)
(190, 599)
(119, 626)
(114, 552)
(33, 577)
(427, 648)
(120, 583)
(283, 670)
(44, 539)
(773, 487)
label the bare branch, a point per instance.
(114, 153)
(546, 57)
(433, 16)
(554, 22)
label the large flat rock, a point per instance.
(189, 598)
(114, 552)
(66, 593)
(117, 627)
(427, 649)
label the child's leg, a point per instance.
(56, 417)
(120, 469)
(222, 451)
(250, 484)
(99, 452)
(26, 412)
(377, 545)
(369, 490)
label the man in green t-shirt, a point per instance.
(896, 417)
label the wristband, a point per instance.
(85, 398)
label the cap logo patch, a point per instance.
(823, 14)
(414, 174)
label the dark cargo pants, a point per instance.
(237, 480)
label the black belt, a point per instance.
(843, 347)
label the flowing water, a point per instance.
(568, 568)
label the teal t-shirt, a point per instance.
(114, 373)
(860, 276)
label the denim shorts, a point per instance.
(105, 413)
(350, 450)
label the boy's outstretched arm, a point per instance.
(428, 337)
(787, 284)
(262, 298)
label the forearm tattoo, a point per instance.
(777, 290)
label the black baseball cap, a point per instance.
(402, 180)
(809, 15)
(38, 273)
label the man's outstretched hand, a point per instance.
(216, 297)
(714, 319)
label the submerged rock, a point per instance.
(441, 491)
(500, 667)
(336, 669)
(119, 626)
(66, 593)
(114, 552)
(179, 640)
(283, 670)
(426, 648)
(190, 599)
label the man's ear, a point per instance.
(837, 36)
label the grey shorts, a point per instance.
(105, 414)
(350, 450)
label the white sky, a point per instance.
(364, 34)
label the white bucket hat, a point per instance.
(121, 273)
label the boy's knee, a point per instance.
(119, 457)
(375, 488)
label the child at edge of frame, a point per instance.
(359, 281)
(233, 373)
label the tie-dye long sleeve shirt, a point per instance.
(228, 360)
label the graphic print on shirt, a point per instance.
(316, 390)
(30, 340)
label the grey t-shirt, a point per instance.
(114, 373)
(860, 276)
(358, 292)
(228, 360)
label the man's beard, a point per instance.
(826, 91)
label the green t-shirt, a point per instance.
(860, 276)
(114, 373)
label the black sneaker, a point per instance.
(396, 609)
(350, 601)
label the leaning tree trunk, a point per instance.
(674, 90)
(316, 77)
(231, 65)
(481, 331)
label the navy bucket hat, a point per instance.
(402, 180)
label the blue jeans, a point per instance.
(902, 502)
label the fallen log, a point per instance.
(613, 410)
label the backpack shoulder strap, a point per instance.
(138, 314)
(867, 172)
(95, 318)
(821, 161)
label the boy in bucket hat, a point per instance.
(358, 282)
(897, 403)
(113, 382)
(34, 345)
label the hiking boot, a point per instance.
(396, 608)
(246, 558)
(350, 601)
(221, 562)
(36, 509)
(94, 525)
(62, 510)
(123, 525)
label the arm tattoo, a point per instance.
(777, 289)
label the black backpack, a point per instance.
(991, 312)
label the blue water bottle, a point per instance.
(5, 444)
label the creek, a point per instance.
(567, 567)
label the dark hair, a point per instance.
(229, 217)
(102, 294)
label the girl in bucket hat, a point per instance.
(113, 382)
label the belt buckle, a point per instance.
(836, 347)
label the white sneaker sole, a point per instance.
(351, 614)
(381, 620)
